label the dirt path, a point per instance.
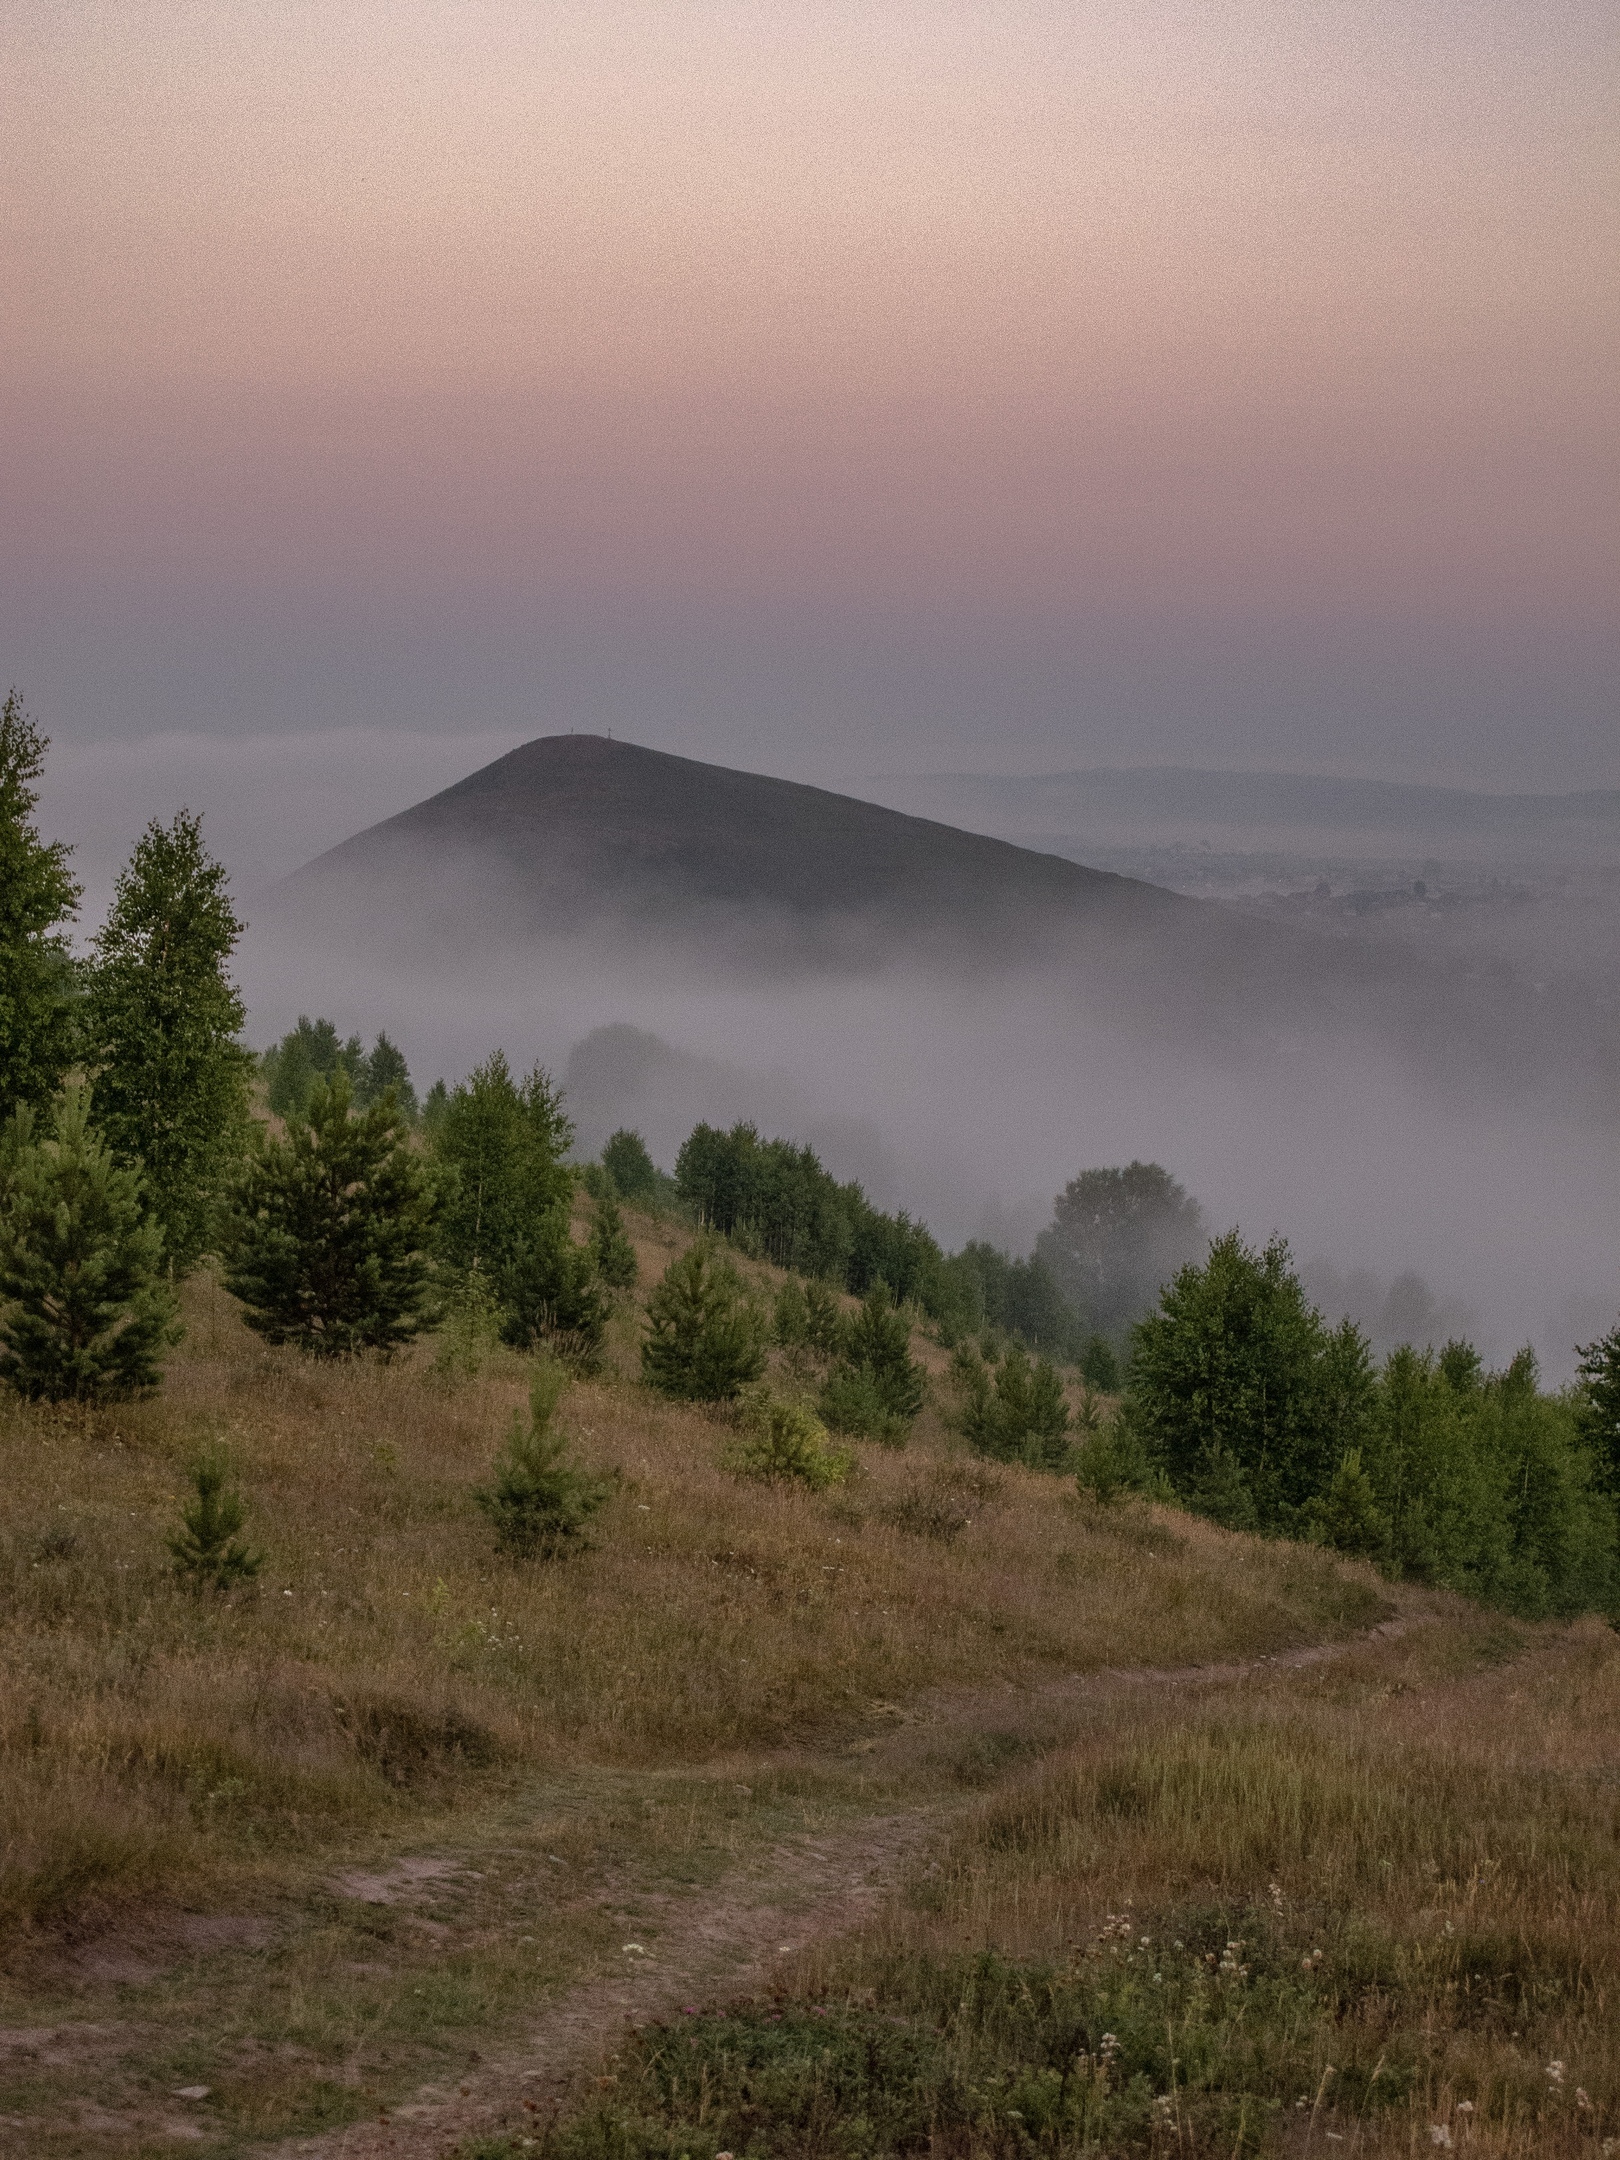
(726, 1940)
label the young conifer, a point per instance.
(539, 1502)
(208, 1550)
(161, 1019)
(704, 1342)
(327, 1238)
(612, 1254)
(38, 897)
(85, 1312)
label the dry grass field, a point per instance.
(272, 1864)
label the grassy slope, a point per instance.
(187, 1789)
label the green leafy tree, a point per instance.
(705, 1341)
(328, 1233)
(161, 1018)
(1116, 1236)
(625, 1158)
(85, 1312)
(208, 1550)
(612, 1254)
(539, 1501)
(38, 899)
(1597, 1404)
(1240, 1391)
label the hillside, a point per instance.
(894, 1783)
(577, 833)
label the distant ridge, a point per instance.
(571, 831)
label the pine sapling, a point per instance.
(538, 1501)
(208, 1551)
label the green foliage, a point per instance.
(550, 1292)
(806, 1318)
(1017, 1297)
(539, 1502)
(1115, 1238)
(1264, 1418)
(1203, 2046)
(877, 1387)
(327, 1237)
(705, 1341)
(313, 1051)
(1110, 1463)
(1237, 1382)
(1009, 1409)
(469, 1327)
(1099, 1366)
(161, 1017)
(498, 1146)
(85, 1313)
(612, 1254)
(208, 1550)
(782, 1442)
(778, 1200)
(636, 1177)
(38, 898)
(1597, 1405)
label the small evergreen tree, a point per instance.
(327, 1236)
(627, 1162)
(781, 1442)
(38, 899)
(539, 1502)
(85, 1313)
(208, 1551)
(876, 1388)
(1109, 1463)
(1347, 1516)
(705, 1341)
(550, 1292)
(469, 1328)
(612, 1254)
(1099, 1366)
(160, 1024)
(1012, 1410)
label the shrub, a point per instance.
(781, 1442)
(208, 1550)
(539, 1502)
(326, 1239)
(705, 1341)
(84, 1312)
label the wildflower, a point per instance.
(1465, 2107)
(1583, 2100)
(1109, 2049)
(1555, 2072)
(1439, 2134)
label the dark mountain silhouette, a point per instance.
(576, 847)
(576, 832)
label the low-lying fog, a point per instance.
(970, 1103)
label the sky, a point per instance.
(828, 389)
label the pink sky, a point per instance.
(996, 384)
